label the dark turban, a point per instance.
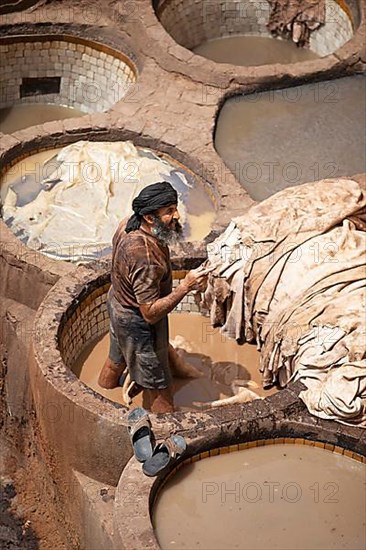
(150, 199)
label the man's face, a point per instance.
(166, 227)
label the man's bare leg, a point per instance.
(160, 401)
(179, 368)
(110, 374)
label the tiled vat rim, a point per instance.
(22, 156)
(83, 324)
(111, 41)
(132, 518)
(93, 76)
(62, 40)
(346, 59)
(328, 39)
(252, 444)
(190, 22)
(262, 442)
(89, 320)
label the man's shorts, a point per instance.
(139, 345)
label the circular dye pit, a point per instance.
(68, 202)
(281, 138)
(281, 496)
(225, 366)
(237, 31)
(49, 74)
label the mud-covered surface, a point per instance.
(14, 532)
(27, 517)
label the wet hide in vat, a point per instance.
(296, 19)
(293, 270)
(88, 190)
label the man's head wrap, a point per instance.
(150, 199)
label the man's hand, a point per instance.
(196, 279)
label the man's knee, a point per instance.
(110, 374)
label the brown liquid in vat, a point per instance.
(266, 498)
(24, 115)
(220, 359)
(253, 50)
(282, 138)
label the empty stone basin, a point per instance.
(281, 496)
(77, 222)
(217, 30)
(281, 138)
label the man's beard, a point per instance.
(166, 235)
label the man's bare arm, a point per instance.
(154, 311)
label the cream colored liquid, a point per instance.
(253, 50)
(24, 115)
(221, 361)
(272, 497)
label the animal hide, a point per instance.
(294, 272)
(241, 394)
(296, 19)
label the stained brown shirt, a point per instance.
(141, 268)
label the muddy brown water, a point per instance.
(253, 50)
(282, 138)
(22, 116)
(221, 360)
(272, 497)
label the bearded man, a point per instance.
(141, 296)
